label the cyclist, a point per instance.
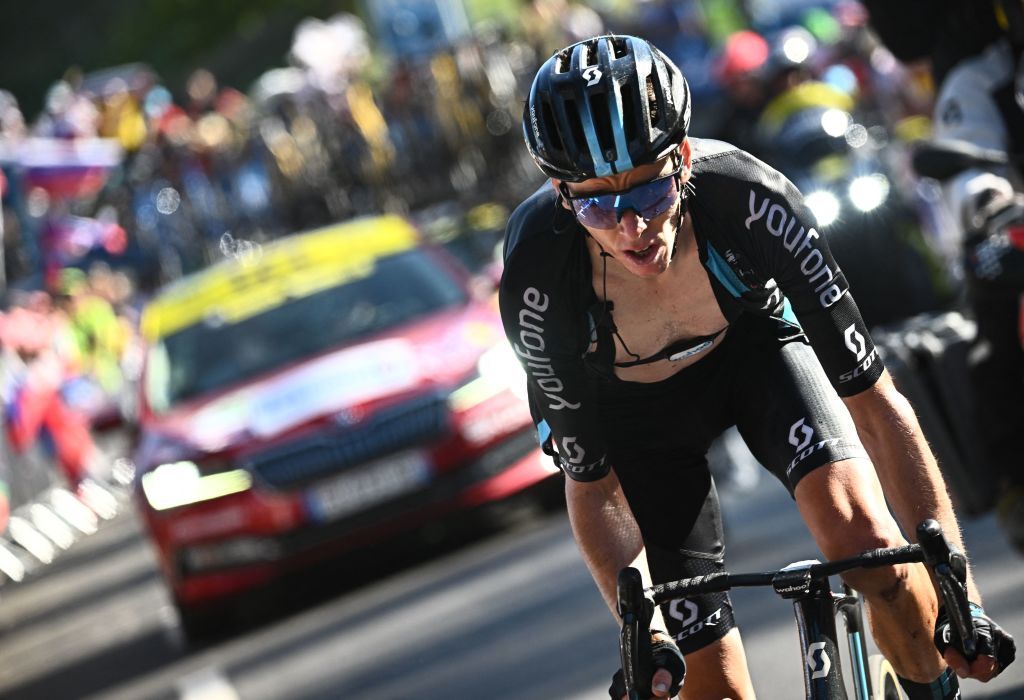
(661, 288)
(975, 51)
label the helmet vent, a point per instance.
(575, 124)
(629, 117)
(564, 59)
(551, 127)
(602, 124)
(652, 99)
(620, 47)
(590, 54)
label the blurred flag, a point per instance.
(68, 168)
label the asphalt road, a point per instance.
(512, 616)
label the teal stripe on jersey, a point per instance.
(789, 316)
(725, 274)
(543, 432)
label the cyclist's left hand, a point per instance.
(661, 681)
(996, 648)
(670, 669)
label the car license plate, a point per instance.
(367, 486)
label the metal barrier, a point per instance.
(46, 518)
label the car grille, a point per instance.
(387, 431)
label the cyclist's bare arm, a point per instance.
(910, 476)
(912, 482)
(606, 533)
(609, 540)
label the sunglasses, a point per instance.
(649, 200)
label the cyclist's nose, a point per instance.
(631, 223)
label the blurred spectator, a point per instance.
(12, 122)
(99, 338)
(343, 130)
(35, 412)
(121, 117)
(67, 114)
(552, 24)
(739, 71)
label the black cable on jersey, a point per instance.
(606, 307)
(674, 351)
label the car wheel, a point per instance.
(203, 624)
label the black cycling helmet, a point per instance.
(603, 106)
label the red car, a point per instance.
(325, 393)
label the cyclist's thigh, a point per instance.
(700, 620)
(788, 413)
(658, 436)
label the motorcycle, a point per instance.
(992, 258)
(851, 185)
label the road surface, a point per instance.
(512, 616)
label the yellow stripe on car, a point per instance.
(291, 268)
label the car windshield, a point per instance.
(212, 355)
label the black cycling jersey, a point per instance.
(763, 256)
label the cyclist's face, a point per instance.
(637, 224)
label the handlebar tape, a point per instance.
(707, 584)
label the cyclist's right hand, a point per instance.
(668, 676)
(996, 647)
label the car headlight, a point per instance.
(868, 192)
(498, 370)
(182, 483)
(824, 205)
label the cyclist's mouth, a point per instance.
(644, 255)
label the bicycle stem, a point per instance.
(814, 607)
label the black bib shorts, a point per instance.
(658, 434)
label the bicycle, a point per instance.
(815, 606)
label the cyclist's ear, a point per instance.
(686, 152)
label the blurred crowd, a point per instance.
(120, 185)
(123, 183)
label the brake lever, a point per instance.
(950, 567)
(636, 611)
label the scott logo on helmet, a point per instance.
(592, 74)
